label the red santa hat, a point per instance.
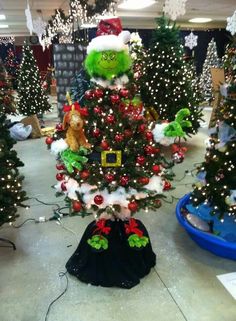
(109, 36)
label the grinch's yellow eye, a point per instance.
(104, 56)
(112, 56)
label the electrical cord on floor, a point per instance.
(59, 222)
(44, 203)
(61, 275)
(170, 201)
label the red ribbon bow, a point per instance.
(176, 149)
(101, 227)
(82, 111)
(131, 227)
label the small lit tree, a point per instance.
(31, 96)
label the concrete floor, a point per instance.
(182, 286)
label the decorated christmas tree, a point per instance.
(7, 103)
(211, 60)
(110, 164)
(11, 193)
(12, 66)
(217, 175)
(166, 84)
(31, 95)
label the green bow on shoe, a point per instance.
(73, 160)
(175, 128)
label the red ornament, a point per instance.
(149, 150)
(128, 132)
(133, 206)
(60, 167)
(140, 160)
(98, 93)
(109, 177)
(97, 110)
(124, 180)
(156, 169)
(143, 180)
(48, 140)
(142, 128)
(110, 119)
(59, 127)
(96, 132)
(98, 199)
(85, 174)
(158, 202)
(166, 186)
(124, 92)
(63, 187)
(76, 205)
(104, 145)
(89, 94)
(149, 135)
(119, 138)
(60, 176)
(115, 99)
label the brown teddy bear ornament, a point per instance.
(73, 123)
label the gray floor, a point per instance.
(183, 285)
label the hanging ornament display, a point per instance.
(39, 27)
(191, 40)
(29, 21)
(175, 8)
(231, 24)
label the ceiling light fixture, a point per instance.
(2, 17)
(200, 20)
(135, 5)
(4, 26)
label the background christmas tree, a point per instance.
(7, 103)
(138, 54)
(12, 66)
(217, 174)
(11, 193)
(31, 95)
(211, 60)
(166, 84)
(229, 62)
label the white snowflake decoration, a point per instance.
(191, 40)
(175, 8)
(231, 24)
(29, 22)
(39, 27)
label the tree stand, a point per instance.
(124, 257)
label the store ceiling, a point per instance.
(218, 10)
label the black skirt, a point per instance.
(119, 265)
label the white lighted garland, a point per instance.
(7, 40)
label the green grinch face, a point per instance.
(107, 64)
(108, 60)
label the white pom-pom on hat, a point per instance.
(125, 36)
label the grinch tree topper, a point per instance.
(108, 62)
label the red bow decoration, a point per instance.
(101, 227)
(131, 227)
(82, 111)
(177, 148)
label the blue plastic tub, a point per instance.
(207, 241)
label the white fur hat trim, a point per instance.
(109, 42)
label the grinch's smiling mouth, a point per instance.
(106, 66)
